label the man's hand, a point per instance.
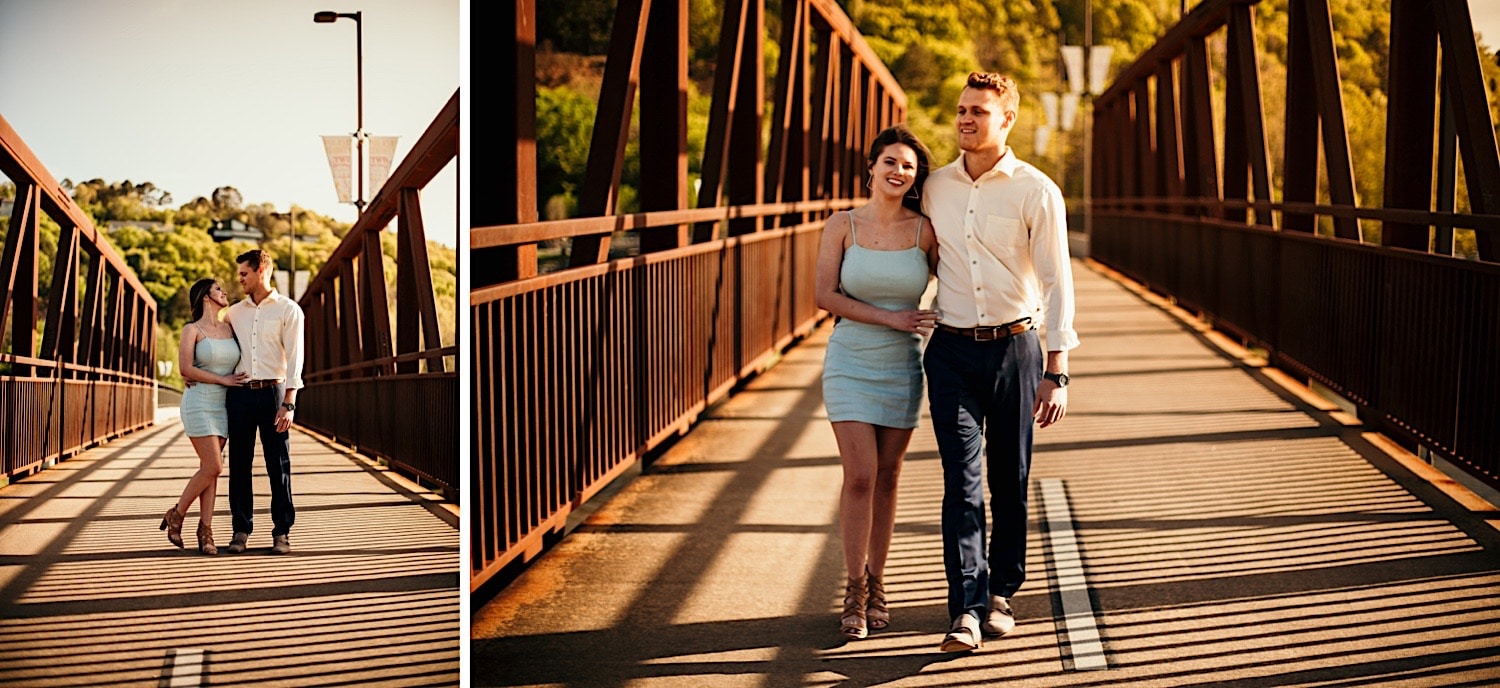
(283, 419)
(1051, 403)
(915, 321)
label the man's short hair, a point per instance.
(255, 258)
(1004, 86)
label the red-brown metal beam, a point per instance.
(416, 309)
(663, 103)
(1201, 179)
(90, 337)
(1300, 163)
(1326, 81)
(1411, 96)
(601, 180)
(786, 167)
(717, 146)
(1244, 127)
(349, 320)
(374, 311)
(1168, 143)
(1476, 134)
(745, 162)
(509, 141)
(824, 84)
(18, 274)
(1145, 152)
(60, 335)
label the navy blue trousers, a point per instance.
(252, 410)
(980, 396)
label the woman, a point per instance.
(873, 267)
(207, 356)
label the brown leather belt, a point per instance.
(262, 384)
(990, 334)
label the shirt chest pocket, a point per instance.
(1005, 236)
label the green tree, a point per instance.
(564, 123)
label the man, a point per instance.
(269, 329)
(1002, 271)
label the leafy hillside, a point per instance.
(930, 45)
(169, 248)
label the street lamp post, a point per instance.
(1092, 64)
(359, 68)
(291, 217)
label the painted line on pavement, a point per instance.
(187, 668)
(1078, 619)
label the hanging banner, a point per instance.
(382, 152)
(1073, 62)
(1049, 108)
(1099, 57)
(1069, 110)
(340, 150)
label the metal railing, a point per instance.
(579, 373)
(1405, 333)
(90, 379)
(392, 398)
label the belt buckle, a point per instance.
(985, 334)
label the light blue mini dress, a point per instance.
(203, 409)
(872, 373)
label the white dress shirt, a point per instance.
(1002, 248)
(270, 335)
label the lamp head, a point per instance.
(326, 17)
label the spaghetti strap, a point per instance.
(919, 231)
(852, 238)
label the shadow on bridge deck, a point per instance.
(92, 594)
(1232, 532)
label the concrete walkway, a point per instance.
(1218, 528)
(92, 594)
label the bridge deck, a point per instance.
(1232, 531)
(92, 594)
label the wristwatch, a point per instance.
(288, 406)
(1060, 378)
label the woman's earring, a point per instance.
(914, 194)
(870, 183)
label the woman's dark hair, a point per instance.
(901, 134)
(196, 294)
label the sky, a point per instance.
(196, 94)
(192, 95)
(1486, 17)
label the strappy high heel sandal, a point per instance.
(877, 615)
(172, 523)
(856, 598)
(206, 539)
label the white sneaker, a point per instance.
(963, 635)
(1001, 619)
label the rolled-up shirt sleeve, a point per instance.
(1054, 272)
(291, 343)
